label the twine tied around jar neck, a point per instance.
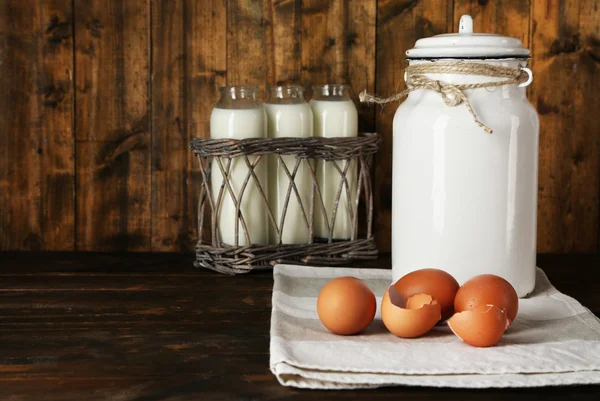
(453, 94)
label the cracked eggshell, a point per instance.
(437, 283)
(409, 318)
(482, 326)
(487, 289)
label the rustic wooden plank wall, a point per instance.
(37, 163)
(112, 124)
(99, 99)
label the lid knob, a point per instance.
(465, 25)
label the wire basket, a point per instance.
(345, 156)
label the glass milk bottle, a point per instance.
(465, 183)
(238, 115)
(335, 116)
(288, 115)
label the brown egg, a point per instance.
(346, 305)
(482, 326)
(487, 289)
(437, 283)
(409, 318)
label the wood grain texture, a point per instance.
(37, 169)
(324, 51)
(188, 65)
(103, 164)
(286, 42)
(565, 50)
(112, 124)
(132, 327)
(399, 25)
(249, 33)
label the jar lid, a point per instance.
(466, 44)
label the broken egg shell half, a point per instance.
(487, 289)
(482, 326)
(409, 318)
(437, 283)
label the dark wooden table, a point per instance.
(148, 327)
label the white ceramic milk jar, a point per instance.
(465, 160)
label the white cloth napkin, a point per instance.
(553, 341)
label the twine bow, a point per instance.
(452, 94)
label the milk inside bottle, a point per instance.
(335, 115)
(288, 115)
(238, 115)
